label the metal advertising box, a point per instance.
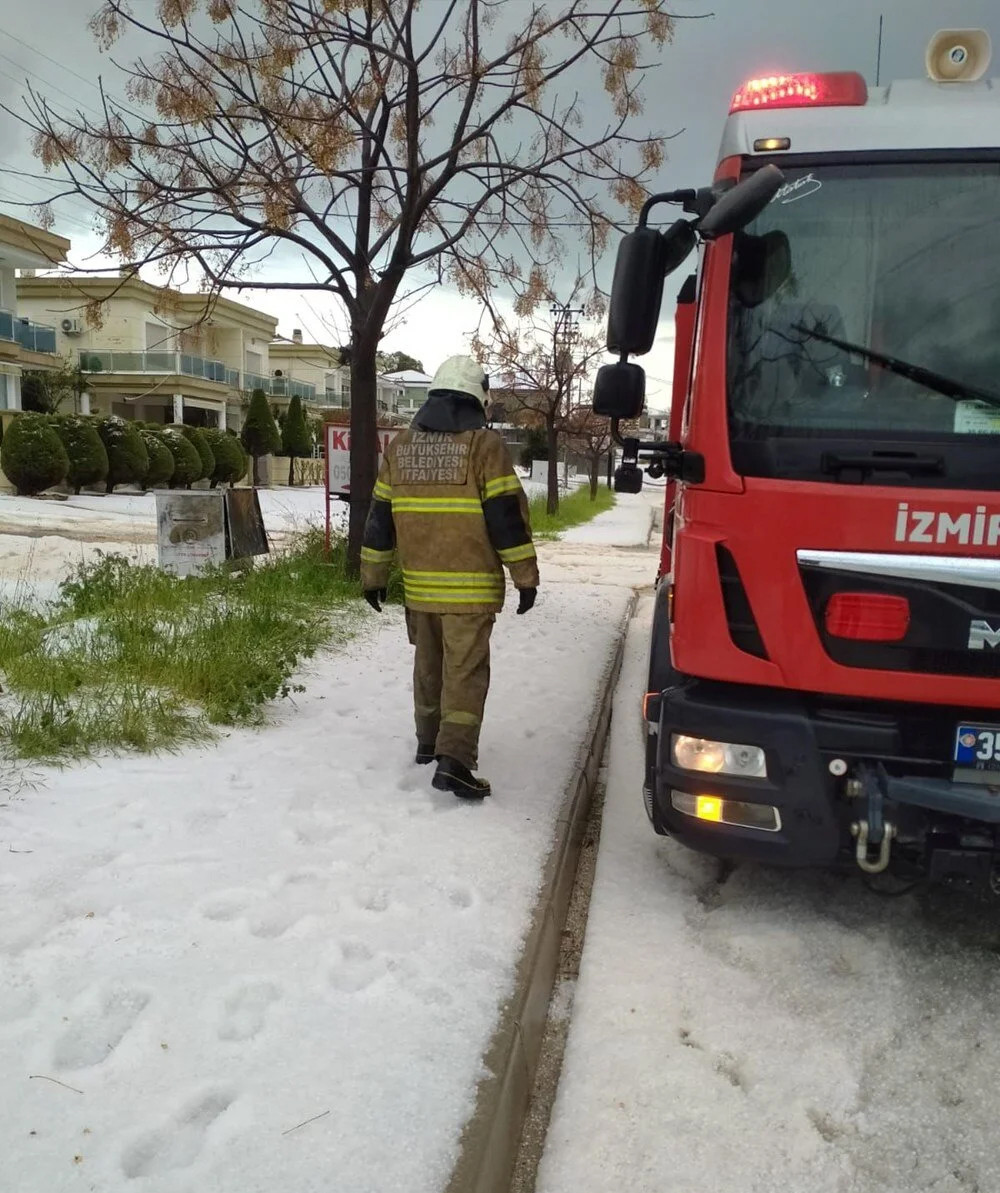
(190, 530)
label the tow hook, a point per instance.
(873, 832)
(880, 862)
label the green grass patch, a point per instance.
(574, 510)
(131, 658)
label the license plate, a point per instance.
(977, 747)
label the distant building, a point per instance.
(159, 354)
(24, 344)
(411, 386)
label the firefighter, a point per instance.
(448, 502)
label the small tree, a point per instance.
(296, 439)
(230, 460)
(35, 394)
(196, 437)
(536, 447)
(161, 459)
(128, 460)
(544, 362)
(88, 458)
(187, 462)
(260, 435)
(32, 455)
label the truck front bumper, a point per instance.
(814, 754)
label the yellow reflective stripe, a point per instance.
(433, 504)
(517, 554)
(432, 579)
(436, 506)
(461, 718)
(382, 491)
(370, 555)
(468, 597)
(502, 485)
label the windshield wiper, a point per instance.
(948, 386)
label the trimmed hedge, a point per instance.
(161, 458)
(128, 460)
(196, 437)
(88, 457)
(187, 462)
(230, 460)
(32, 455)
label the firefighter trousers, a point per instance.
(451, 676)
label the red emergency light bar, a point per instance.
(840, 89)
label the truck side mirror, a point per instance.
(619, 391)
(742, 204)
(645, 258)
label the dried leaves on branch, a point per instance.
(356, 142)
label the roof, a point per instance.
(912, 114)
(409, 377)
(26, 246)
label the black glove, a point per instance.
(373, 596)
(527, 600)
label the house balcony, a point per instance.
(179, 364)
(279, 387)
(32, 337)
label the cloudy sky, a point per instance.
(46, 43)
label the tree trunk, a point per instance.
(256, 471)
(594, 476)
(291, 472)
(552, 435)
(364, 422)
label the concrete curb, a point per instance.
(490, 1139)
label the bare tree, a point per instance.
(368, 139)
(541, 365)
(588, 435)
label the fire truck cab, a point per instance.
(824, 675)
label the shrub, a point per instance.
(35, 393)
(187, 462)
(196, 437)
(32, 455)
(128, 460)
(260, 435)
(230, 460)
(296, 438)
(161, 458)
(88, 458)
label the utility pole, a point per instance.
(565, 333)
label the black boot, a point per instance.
(452, 776)
(425, 754)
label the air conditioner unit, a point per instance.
(72, 327)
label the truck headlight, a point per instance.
(718, 757)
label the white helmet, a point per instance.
(463, 375)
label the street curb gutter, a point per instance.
(491, 1138)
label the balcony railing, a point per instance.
(35, 337)
(340, 398)
(279, 387)
(183, 364)
(102, 361)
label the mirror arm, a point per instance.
(666, 458)
(683, 197)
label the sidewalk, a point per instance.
(273, 966)
(782, 1031)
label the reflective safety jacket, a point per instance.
(452, 508)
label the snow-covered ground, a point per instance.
(627, 524)
(780, 1031)
(275, 963)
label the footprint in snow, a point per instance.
(356, 967)
(246, 1008)
(98, 1027)
(179, 1141)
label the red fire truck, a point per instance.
(824, 675)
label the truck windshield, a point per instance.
(864, 312)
